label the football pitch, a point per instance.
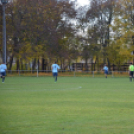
(73, 105)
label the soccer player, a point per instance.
(55, 68)
(0, 74)
(3, 69)
(131, 70)
(105, 68)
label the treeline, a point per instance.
(55, 29)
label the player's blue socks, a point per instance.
(55, 79)
(3, 79)
(130, 79)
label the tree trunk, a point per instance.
(38, 64)
(86, 65)
(10, 63)
(18, 65)
(21, 64)
(34, 64)
(43, 64)
(61, 65)
(109, 64)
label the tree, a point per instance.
(1, 30)
(100, 17)
(123, 29)
(35, 29)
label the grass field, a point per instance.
(73, 105)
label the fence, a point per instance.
(39, 73)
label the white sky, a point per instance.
(83, 2)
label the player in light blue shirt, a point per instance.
(105, 68)
(3, 69)
(55, 67)
(0, 73)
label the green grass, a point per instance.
(73, 105)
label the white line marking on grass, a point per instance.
(10, 88)
(66, 88)
(36, 90)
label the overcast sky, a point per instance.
(83, 2)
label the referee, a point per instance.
(131, 70)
